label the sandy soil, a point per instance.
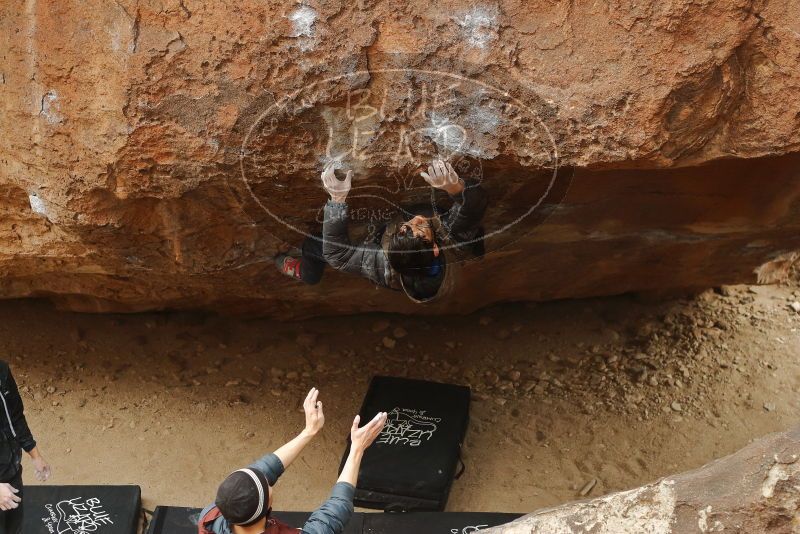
(617, 390)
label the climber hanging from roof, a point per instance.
(419, 256)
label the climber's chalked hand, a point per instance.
(441, 175)
(336, 188)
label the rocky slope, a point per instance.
(753, 490)
(158, 154)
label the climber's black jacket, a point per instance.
(460, 225)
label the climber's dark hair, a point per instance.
(408, 254)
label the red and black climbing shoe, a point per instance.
(289, 265)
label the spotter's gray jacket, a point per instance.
(461, 225)
(330, 518)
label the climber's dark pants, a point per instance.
(314, 263)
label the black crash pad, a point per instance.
(173, 520)
(179, 520)
(82, 509)
(434, 522)
(412, 464)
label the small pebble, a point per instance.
(380, 326)
(588, 487)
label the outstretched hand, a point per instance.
(337, 189)
(315, 418)
(41, 469)
(9, 499)
(441, 175)
(362, 438)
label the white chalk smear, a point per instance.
(484, 118)
(702, 521)
(303, 19)
(448, 136)
(467, 134)
(115, 39)
(37, 204)
(49, 107)
(778, 473)
(479, 26)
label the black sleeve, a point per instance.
(16, 415)
(464, 218)
(366, 260)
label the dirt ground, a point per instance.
(619, 391)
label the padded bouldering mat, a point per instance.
(82, 509)
(412, 464)
(179, 520)
(434, 522)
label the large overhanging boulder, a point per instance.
(754, 490)
(158, 154)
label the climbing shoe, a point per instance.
(289, 265)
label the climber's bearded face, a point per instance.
(419, 226)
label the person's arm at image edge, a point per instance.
(275, 463)
(332, 517)
(9, 499)
(23, 432)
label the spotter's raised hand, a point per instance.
(315, 418)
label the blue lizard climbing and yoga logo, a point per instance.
(386, 124)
